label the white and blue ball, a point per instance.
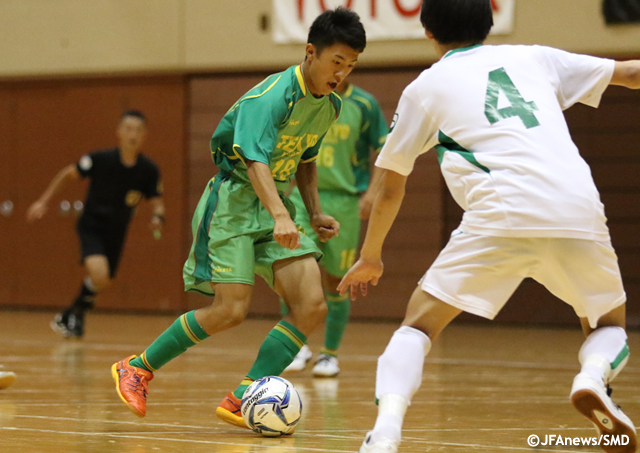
(271, 406)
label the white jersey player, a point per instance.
(494, 116)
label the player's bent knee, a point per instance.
(316, 309)
(237, 314)
(101, 282)
(234, 315)
(233, 312)
(312, 311)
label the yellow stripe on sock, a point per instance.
(143, 357)
(187, 329)
(246, 381)
(292, 336)
(332, 352)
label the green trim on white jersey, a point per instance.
(461, 49)
(495, 117)
(448, 144)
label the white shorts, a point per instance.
(478, 274)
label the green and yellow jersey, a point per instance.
(344, 157)
(279, 123)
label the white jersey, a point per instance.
(494, 116)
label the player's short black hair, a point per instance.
(134, 114)
(338, 26)
(457, 21)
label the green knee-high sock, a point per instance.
(276, 353)
(336, 321)
(183, 333)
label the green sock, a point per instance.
(284, 310)
(336, 321)
(276, 353)
(183, 333)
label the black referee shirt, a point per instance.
(115, 189)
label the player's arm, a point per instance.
(626, 74)
(324, 225)
(285, 231)
(385, 209)
(366, 200)
(383, 214)
(64, 176)
(157, 215)
(153, 192)
(255, 135)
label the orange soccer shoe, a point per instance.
(132, 385)
(229, 411)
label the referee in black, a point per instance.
(119, 178)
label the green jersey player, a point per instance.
(494, 115)
(343, 163)
(244, 224)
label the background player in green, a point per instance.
(119, 178)
(345, 193)
(244, 224)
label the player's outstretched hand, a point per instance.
(359, 276)
(325, 226)
(285, 232)
(36, 211)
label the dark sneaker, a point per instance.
(75, 324)
(68, 324)
(59, 326)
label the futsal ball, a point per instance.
(271, 406)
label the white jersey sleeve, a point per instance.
(578, 78)
(413, 132)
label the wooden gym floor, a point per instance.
(486, 388)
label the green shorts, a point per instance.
(340, 252)
(233, 238)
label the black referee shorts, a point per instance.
(102, 240)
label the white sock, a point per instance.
(391, 410)
(89, 284)
(398, 378)
(604, 353)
